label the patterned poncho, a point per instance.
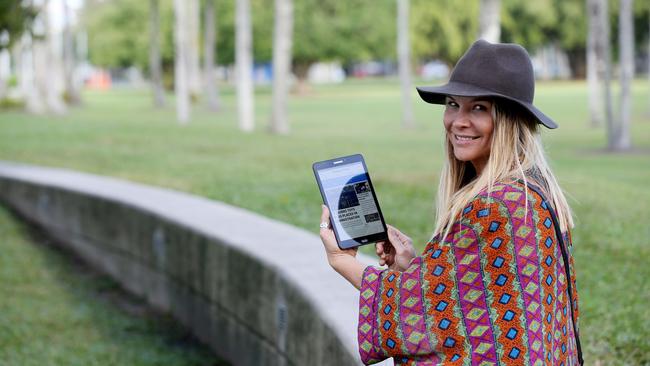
(494, 293)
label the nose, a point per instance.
(461, 118)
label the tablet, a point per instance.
(347, 191)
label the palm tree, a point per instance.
(490, 20)
(282, 43)
(209, 39)
(69, 59)
(154, 54)
(621, 138)
(244, 62)
(181, 82)
(595, 61)
(404, 62)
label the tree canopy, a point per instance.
(15, 19)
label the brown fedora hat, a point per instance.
(502, 70)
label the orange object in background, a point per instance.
(99, 80)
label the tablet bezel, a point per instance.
(346, 160)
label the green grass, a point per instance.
(55, 311)
(118, 133)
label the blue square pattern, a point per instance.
(501, 280)
(564, 329)
(391, 277)
(563, 348)
(467, 209)
(512, 333)
(387, 325)
(548, 223)
(442, 305)
(548, 337)
(387, 309)
(390, 292)
(438, 270)
(505, 298)
(564, 310)
(548, 241)
(440, 289)
(549, 280)
(549, 298)
(548, 320)
(449, 342)
(496, 243)
(390, 343)
(444, 324)
(548, 355)
(482, 213)
(508, 315)
(514, 353)
(455, 357)
(498, 262)
(544, 205)
(436, 253)
(494, 226)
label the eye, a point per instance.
(480, 107)
(451, 103)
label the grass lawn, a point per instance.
(56, 311)
(118, 133)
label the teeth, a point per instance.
(465, 138)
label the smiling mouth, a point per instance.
(465, 138)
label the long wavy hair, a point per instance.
(516, 152)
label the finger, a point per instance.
(325, 214)
(395, 240)
(379, 248)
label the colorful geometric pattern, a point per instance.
(494, 292)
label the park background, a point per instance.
(151, 91)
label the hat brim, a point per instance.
(437, 94)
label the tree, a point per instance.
(69, 59)
(620, 140)
(490, 20)
(443, 35)
(16, 18)
(604, 43)
(244, 61)
(155, 62)
(193, 62)
(404, 62)
(209, 38)
(181, 72)
(282, 41)
(595, 61)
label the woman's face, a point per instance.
(469, 125)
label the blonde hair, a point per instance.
(516, 152)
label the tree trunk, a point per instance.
(282, 43)
(194, 67)
(181, 82)
(244, 61)
(490, 20)
(404, 62)
(5, 71)
(603, 43)
(595, 67)
(155, 63)
(622, 140)
(69, 59)
(50, 66)
(209, 41)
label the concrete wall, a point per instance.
(257, 291)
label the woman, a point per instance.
(495, 285)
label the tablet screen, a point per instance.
(351, 202)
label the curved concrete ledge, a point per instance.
(257, 291)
